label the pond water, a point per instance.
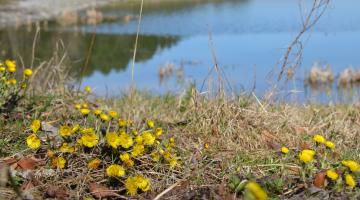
(249, 38)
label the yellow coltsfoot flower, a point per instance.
(139, 139)
(97, 112)
(124, 157)
(33, 142)
(77, 106)
(155, 156)
(28, 72)
(122, 123)
(330, 145)
(284, 150)
(256, 190)
(115, 170)
(138, 150)
(158, 132)
(352, 165)
(104, 117)
(11, 65)
(332, 174)
(85, 111)
(173, 161)
(129, 163)
(65, 131)
(131, 186)
(134, 131)
(86, 130)
(142, 183)
(88, 139)
(58, 162)
(306, 155)
(66, 148)
(319, 139)
(35, 126)
(126, 141)
(166, 155)
(349, 180)
(148, 138)
(150, 123)
(113, 114)
(12, 81)
(113, 139)
(75, 128)
(309, 151)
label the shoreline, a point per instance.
(17, 13)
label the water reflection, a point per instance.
(168, 7)
(111, 53)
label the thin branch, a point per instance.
(88, 56)
(34, 46)
(136, 41)
(317, 10)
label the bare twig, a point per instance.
(167, 190)
(257, 100)
(136, 41)
(318, 8)
(220, 73)
(34, 46)
(88, 56)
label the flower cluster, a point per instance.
(33, 140)
(106, 133)
(321, 140)
(135, 183)
(10, 86)
(316, 159)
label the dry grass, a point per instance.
(243, 137)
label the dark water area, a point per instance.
(248, 36)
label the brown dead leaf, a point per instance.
(319, 180)
(56, 192)
(100, 191)
(270, 140)
(27, 163)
